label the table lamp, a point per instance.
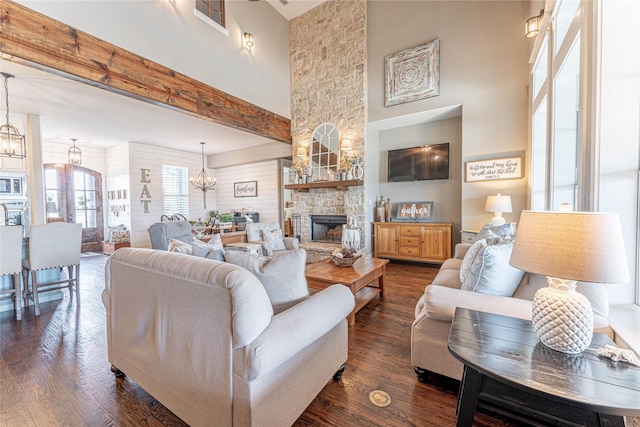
(498, 204)
(568, 247)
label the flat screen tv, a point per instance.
(419, 163)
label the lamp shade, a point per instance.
(582, 246)
(498, 203)
(301, 151)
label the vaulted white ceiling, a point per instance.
(100, 119)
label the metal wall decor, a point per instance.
(412, 74)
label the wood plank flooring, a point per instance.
(54, 369)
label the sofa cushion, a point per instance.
(282, 276)
(273, 240)
(179, 246)
(491, 272)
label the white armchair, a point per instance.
(262, 233)
(11, 264)
(200, 336)
(53, 245)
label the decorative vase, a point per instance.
(343, 175)
(357, 171)
(349, 175)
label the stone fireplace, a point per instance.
(330, 62)
(327, 228)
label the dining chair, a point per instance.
(54, 245)
(11, 264)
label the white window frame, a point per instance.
(175, 190)
(210, 21)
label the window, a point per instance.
(211, 12)
(556, 99)
(585, 91)
(85, 199)
(175, 190)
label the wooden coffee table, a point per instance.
(508, 370)
(365, 279)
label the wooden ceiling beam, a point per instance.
(31, 38)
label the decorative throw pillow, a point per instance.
(120, 227)
(199, 248)
(273, 240)
(282, 276)
(119, 236)
(491, 230)
(179, 246)
(217, 255)
(469, 257)
(215, 242)
(491, 272)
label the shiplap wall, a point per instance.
(267, 203)
(121, 167)
(143, 156)
(117, 178)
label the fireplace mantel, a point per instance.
(340, 185)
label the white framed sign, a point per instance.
(494, 169)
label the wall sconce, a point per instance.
(248, 40)
(301, 156)
(532, 26)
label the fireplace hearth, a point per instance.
(327, 228)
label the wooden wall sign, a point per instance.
(245, 189)
(416, 211)
(494, 169)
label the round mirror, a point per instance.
(324, 151)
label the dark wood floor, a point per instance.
(54, 369)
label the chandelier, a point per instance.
(12, 144)
(75, 155)
(202, 181)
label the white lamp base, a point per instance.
(562, 318)
(498, 219)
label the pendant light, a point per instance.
(202, 181)
(75, 155)
(12, 143)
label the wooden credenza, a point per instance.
(426, 242)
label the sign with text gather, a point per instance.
(494, 170)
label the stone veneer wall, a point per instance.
(328, 57)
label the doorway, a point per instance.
(74, 194)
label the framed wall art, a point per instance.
(412, 74)
(493, 169)
(245, 189)
(415, 211)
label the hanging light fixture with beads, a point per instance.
(12, 143)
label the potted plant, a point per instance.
(225, 220)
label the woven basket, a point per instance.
(344, 262)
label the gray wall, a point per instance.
(483, 72)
